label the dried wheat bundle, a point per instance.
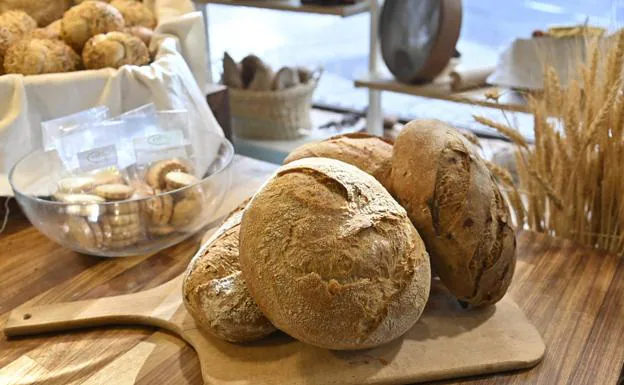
(572, 177)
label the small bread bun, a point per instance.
(135, 13)
(114, 49)
(454, 202)
(43, 12)
(369, 153)
(215, 293)
(331, 258)
(143, 33)
(88, 19)
(14, 25)
(44, 33)
(40, 56)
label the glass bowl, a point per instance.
(123, 228)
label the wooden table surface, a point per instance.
(574, 296)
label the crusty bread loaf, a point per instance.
(215, 293)
(369, 153)
(43, 11)
(453, 201)
(331, 258)
(113, 50)
(88, 19)
(40, 56)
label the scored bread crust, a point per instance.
(369, 153)
(454, 202)
(331, 258)
(215, 293)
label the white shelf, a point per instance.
(296, 6)
(441, 89)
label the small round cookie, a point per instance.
(97, 233)
(75, 184)
(135, 13)
(215, 293)
(113, 50)
(159, 209)
(120, 244)
(40, 56)
(114, 192)
(122, 219)
(80, 198)
(43, 12)
(160, 230)
(78, 230)
(108, 176)
(88, 19)
(185, 211)
(145, 34)
(122, 208)
(178, 179)
(157, 172)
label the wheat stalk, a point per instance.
(572, 179)
(511, 133)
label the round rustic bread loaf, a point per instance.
(454, 202)
(369, 153)
(113, 50)
(331, 258)
(88, 19)
(215, 293)
(40, 56)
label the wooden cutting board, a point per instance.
(447, 341)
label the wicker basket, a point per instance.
(272, 114)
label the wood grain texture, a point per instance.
(574, 296)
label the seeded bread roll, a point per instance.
(145, 34)
(331, 258)
(114, 49)
(453, 201)
(43, 11)
(215, 293)
(40, 56)
(135, 13)
(88, 19)
(14, 25)
(369, 153)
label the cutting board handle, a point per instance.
(154, 307)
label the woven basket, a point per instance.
(272, 114)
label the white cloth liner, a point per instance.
(170, 82)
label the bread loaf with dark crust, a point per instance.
(215, 293)
(331, 258)
(457, 207)
(369, 153)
